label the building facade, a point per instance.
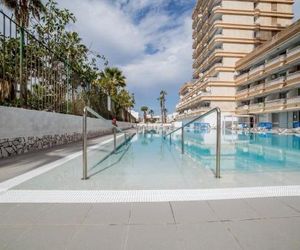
(268, 80)
(224, 31)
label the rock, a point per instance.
(4, 153)
(10, 150)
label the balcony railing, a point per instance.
(293, 100)
(242, 92)
(275, 103)
(257, 88)
(243, 108)
(276, 81)
(275, 62)
(255, 71)
(293, 76)
(255, 106)
(241, 78)
(293, 51)
(293, 55)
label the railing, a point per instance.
(275, 81)
(242, 92)
(293, 76)
(270, 63)
(253, 71)
(87, 110)
(218, 137)
(292, 100)
(276, 102)
(259, 105)
(293, 51)
(37, 77)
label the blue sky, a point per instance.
(150, 40)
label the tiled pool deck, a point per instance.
(270, 223)
(232, 223)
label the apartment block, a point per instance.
(268, 80)
(225, 31)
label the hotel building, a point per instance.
(268, 80)
(224, 32)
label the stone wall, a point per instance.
(22, 130)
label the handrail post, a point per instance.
(218, 145)
(115, 140)
(182, 140)
(84, 137)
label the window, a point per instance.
(273, 6)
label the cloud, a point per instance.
(150, 40)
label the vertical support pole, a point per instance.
(115, 140)
(84, 136)
(218, 145)
(182, 140)
(170, 139)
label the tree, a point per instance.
(125, 99)
(144, 109)
(80, 67)
(23, 9)
(162, 103)
(112, 81)
(151, 113)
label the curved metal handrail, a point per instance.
(217, 109)
(218, 139)
(87, 110)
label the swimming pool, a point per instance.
(148, 162)
(243, 152)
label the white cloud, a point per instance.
(111, 28)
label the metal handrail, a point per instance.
(218, 137)
(87, 110)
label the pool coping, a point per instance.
(124, 196)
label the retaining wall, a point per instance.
(22, 130)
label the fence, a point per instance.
(34, 77)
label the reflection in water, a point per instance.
(243, 151)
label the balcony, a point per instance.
(256, 90)
(293, 103)
(293, 55)
(256, 107)
(275, 84)
(240, 79)
(242, 110)
(256, 71)
(293, 79)
(277, 104)
(242, 94)
(275, 63)
(293, 100)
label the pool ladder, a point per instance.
(87, 110)
(218, 137)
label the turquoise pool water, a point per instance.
(150, 162)
(243, 151)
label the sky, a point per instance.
(149, 40)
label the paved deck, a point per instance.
(269, 223)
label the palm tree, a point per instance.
(23, 9)
(151, 113)
(112, 79)
(162, 102)
(144, 109)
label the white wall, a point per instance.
(17, 122)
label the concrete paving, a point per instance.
(272, 223)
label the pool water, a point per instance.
(242, 151)
(149, 161)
